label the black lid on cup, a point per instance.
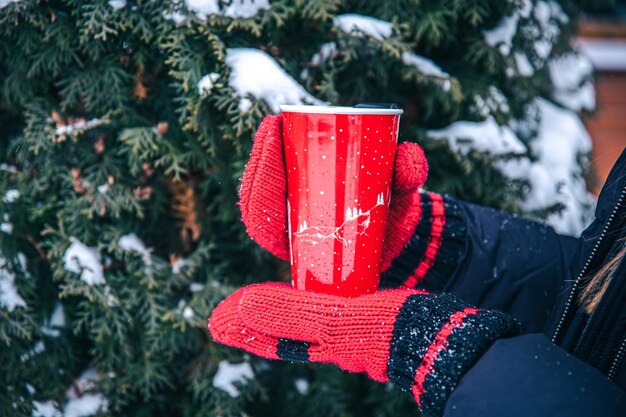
(377, 106)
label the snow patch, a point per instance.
(77, 127)
(245, 8)
(132, 243)
(206, 83)
(9, 297)
(486, 136)
(37, 349)
(8, 168)
(502, 35)
(4, 3)
(302, 385)
(112, 300)
(85, 381)
(85, 405)
(547, 15)
(11, 196)
(255, 73)
(326, 51)
(235, 8)
(230, 373)
(56, 321)
(494, 102)
(573, 86)
(554, 173)
(196, 287)
(203, 8)
(357, 24)
(549, 10)
(6, 226)
(187, 312)
(556, 177)
(117, 4)
(424, 65)
(527, 6)
(83, 400)
(524, 67)
(85, 261)
(57, 318)
(46, 409)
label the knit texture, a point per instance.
(434, 249)
(352, 333)
(421, 342)
(263, 193)
(405, 211)
(226, 327)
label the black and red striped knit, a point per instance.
(421, 342)
(432, 253)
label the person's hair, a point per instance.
(592, 293)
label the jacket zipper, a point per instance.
(618, 360)
(587, 263)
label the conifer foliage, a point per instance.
(125, 126)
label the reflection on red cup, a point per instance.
(339, 164)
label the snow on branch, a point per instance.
(83, 396)
(486, 136)
(235, 8)
(502, 35)
(83, 260)
(546, 14)
(555, 176)
(83, 399)
(571, 75)
(5, 3)
(255, 73)
(46, 409)
(55, 321)
(357, 24)
(424, 65)
(117, 4)
(132, 243)
(206, 83)
(11, 196)
(9, 297)
(327, 50)
(230, 373)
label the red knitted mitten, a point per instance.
(263, 193)
(423, 343)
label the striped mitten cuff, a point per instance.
(436, 340)
(435, 248)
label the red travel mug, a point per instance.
(339, 164)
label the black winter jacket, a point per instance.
(564, 363)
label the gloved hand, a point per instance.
(421, 342)
(263, 193)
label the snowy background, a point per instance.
(555, 136)
(559, 137)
